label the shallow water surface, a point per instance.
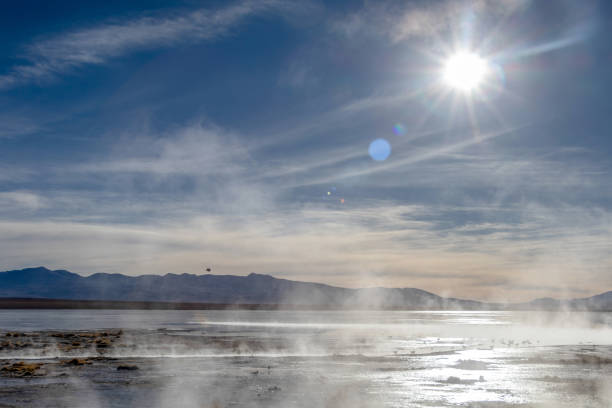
(306, 359)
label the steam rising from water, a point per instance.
(335, 359)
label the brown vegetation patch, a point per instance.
(77, 361)
(22, 369)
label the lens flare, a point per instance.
(399, 129)
(379, 149)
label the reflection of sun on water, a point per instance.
(465, 71)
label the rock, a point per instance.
(453, 380)
(127, 368)
(77, 362)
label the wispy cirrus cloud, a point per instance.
(59, 54)
(21, 199)
(406, 20)
(15, 125)
(193, 150)
(169, 201)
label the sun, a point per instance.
(465, 71)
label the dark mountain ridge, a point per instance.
(43, 283)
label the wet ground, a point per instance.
(288, 360)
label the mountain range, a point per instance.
(42, 283)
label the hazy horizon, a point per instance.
(500, 300)
(457, 146)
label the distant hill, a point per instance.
(597, 302)
(224, 289)
(252, 289)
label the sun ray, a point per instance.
(473, 120)
(436, 103)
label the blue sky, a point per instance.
(156, 137)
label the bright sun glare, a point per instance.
(465, 71)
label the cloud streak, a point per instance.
(380, 244)
(233, 216)
(21, 200)
(51, 57)
(406, 20)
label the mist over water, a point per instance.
(323, 358)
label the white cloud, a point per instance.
(194, 150)
(20, 200)
(15, 125)
(62, 53)
(419, 19)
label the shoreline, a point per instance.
(68, 304)
(58, 304)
